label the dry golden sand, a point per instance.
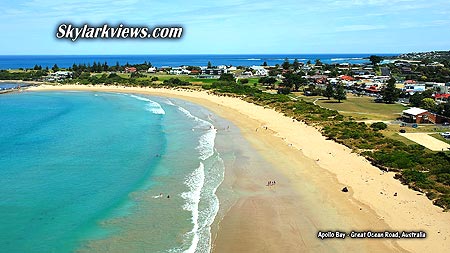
(310, 173)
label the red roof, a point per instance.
(410, 82)
(347, 78)
(130, 69)
(438, 96)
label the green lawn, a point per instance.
(364, 108)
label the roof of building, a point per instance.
(437, 96)
(414, 111)
(347, 78)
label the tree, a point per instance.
(227, 77)
(329, 91)
(244, 81)
(286, 65)
(318, 62)
(293, 81)
(296, 64)
(209, 65)
(105, 66)
(415, 99)
(267, 80)
(444, 109)
(390, 93)
(264, 64)
(340, 93)
(55, 68)
(308, 62)
(375, 59)
(378, 126)
(428, 104)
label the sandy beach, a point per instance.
(310, 172)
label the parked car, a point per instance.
(445, 124)
(445, 135)
(402, 131)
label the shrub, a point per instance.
(378, 126)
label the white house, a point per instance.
(260, 71)
(179, 71)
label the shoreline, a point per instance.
(309, 169)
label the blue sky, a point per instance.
(233, 26)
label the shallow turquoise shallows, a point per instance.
(105, 172)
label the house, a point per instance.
(260, 71)
(373, 89)
(411, 89)
(247, 74)
(58, 76)
(130, 69)
(176, 71)
(318, 78)
(179, 71)
(214, 71)
(442, 98)
(406, 70)
(151, 70)
(442, 88)
(415, 115)
(347, 78)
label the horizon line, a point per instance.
(193, 54)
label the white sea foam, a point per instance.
(199, 191)
(206, 141)
(206, 144)
(253, 59)
(152, 106)
(169, 102)
(195, 182)
(339, 59)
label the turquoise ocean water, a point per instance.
(92, 172)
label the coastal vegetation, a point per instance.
(31, 75)
(421, 169)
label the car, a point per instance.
(445, 124)
(445, 135)
(402, 131)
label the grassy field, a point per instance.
(364, 108)
(187, 78)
